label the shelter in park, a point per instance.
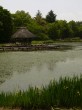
(23, 35)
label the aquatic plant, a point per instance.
(67, 92)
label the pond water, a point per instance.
(19, 70)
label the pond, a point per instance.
(19, 70)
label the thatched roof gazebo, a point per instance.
(23, 35)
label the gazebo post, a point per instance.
(29, 41)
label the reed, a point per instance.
(67, 92)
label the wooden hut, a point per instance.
(23, 35)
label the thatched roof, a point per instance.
(23, 33)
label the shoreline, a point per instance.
(34, 47)
(3, 108)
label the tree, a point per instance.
(51, 17)
(53, 31)
(73, 26)
(39, 19)
(64, 29)
(38, 30)
(59, 30)
(21, 18)
(5, 25)
(39, 14)
(80, 31)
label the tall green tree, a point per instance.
(73, 26)
(80, 31)
(51, 17)
(21, 18)
(65, 31)
(39, 14)
(59, 30)
(38, 30)
(53, 31)
(39, 19)
(5, 25)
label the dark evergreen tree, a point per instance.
(5, 25)
(51, 17)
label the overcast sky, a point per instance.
(64, 9)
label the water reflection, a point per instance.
(18, 70)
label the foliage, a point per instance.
(79, 24)
(74, 27)
(64, 29)
(53, 31)
(39, 19)
(59, 30)
(47, 28)
(20, 19)
(67, 92)
(5, 25)
(51, 17)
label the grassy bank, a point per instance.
(46, 42)
(67, 93)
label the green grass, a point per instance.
(67, 93)
(77, 39)
(58, 41)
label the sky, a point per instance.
(64, 9)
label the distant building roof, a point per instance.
(23, 33)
